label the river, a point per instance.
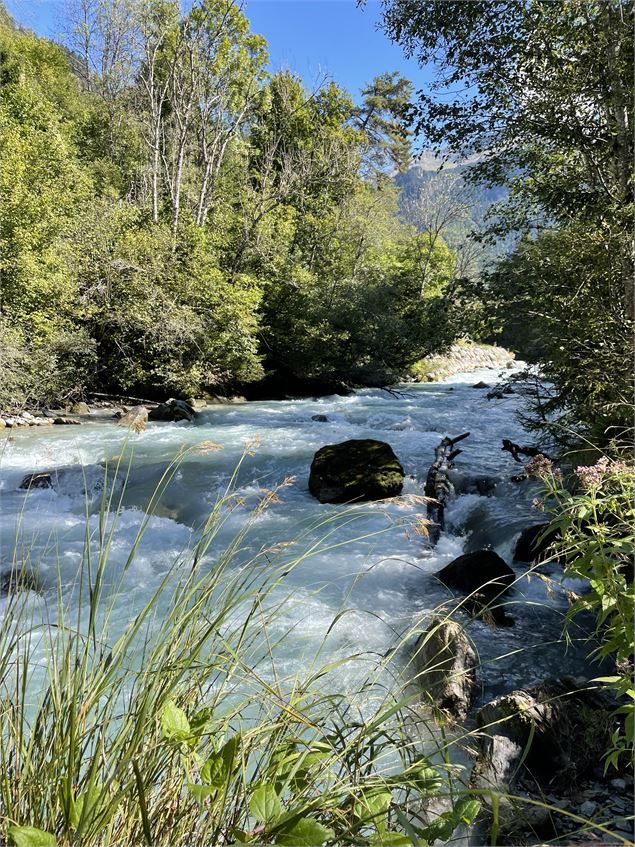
(383, 577)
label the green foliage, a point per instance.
(559, 300)
(357, 311)
(596, 542)
(565, 155)
(172, 216)
(29, 836)
(382, 117)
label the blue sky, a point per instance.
(312, 37)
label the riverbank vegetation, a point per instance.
(175, 727)
(177, 219)
(544, 107)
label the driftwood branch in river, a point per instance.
(516, 450)
(395, 393)
(438, 486)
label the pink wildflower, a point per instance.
(539, 465)
(591, 476)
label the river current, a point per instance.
(383, 577)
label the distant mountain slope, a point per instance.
(431, 197)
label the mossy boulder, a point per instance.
(355, 471)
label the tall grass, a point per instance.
(177, 729)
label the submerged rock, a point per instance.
(356, 470)
(446, 666)
(18, 579)
(37, 480)
(172, 410)
(484, 577)
(196, 402)
(80, 408)
(319, 418)
(63, 421)
(485, 486)
(480, 384)
(531, 547)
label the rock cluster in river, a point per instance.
(544, 743)
(24, 419)
(172, 410)
(127, 415)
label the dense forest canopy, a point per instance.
(175, 218)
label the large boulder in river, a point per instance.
(356, 470)
(446, 666)
(484, 577)
(534, 543)
(479, 571)
(172, 410)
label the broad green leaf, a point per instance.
(372, 805)
(466, 809)
(199, 721)
(67, 801)
(174, 723)
(427, 780)
(29, 836)
(89, 803)
(265, 804)
(229, 751)
(201, 792)
(305, 833)
(441, 829)
(215, 771)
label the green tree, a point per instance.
(545, 107)
(382, 118)
(43, 190)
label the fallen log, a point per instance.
(438, 486)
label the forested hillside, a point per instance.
(175, 219)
